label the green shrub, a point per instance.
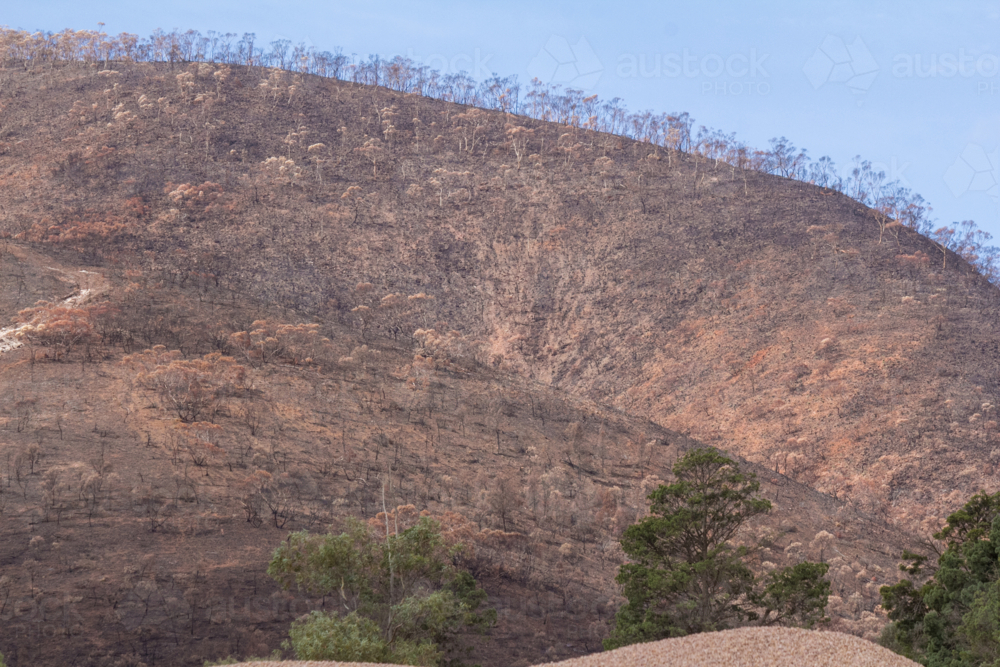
(355, 638)
(403, 599)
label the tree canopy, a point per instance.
(400, 598)
(686, 576)
(949, 615)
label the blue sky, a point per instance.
(912, 86)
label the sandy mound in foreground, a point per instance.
(745, 647)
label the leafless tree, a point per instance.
(24, 410)
(154, 507)
(253, 414)
(505, 498)
(20, 468)
(280, 501)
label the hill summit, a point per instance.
(240, 300)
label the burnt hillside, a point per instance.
(476, 309)
(765, 315)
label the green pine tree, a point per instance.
(949, 615)
(685, 576)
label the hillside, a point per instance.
(682, 289)
(516, 325)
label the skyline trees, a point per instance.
(675, 132)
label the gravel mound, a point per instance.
(745, 647)
(750, 647)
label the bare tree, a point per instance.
(154, 507)
(495, 406)
(251, 499)
(24, 410)
(279, 500)
(253, 414)
(92, 492)
(505, 498)
(32, 455)
(20, 468)
(51, 498)
(822, 541)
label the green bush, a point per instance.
(355, 638)
(403, 599)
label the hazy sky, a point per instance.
(912, 86)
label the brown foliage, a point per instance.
(60, 328)
(270, 342)
(191, 388)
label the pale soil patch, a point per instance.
(87, 285)
(745, 647)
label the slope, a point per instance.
(323, 234)
(788, 322)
